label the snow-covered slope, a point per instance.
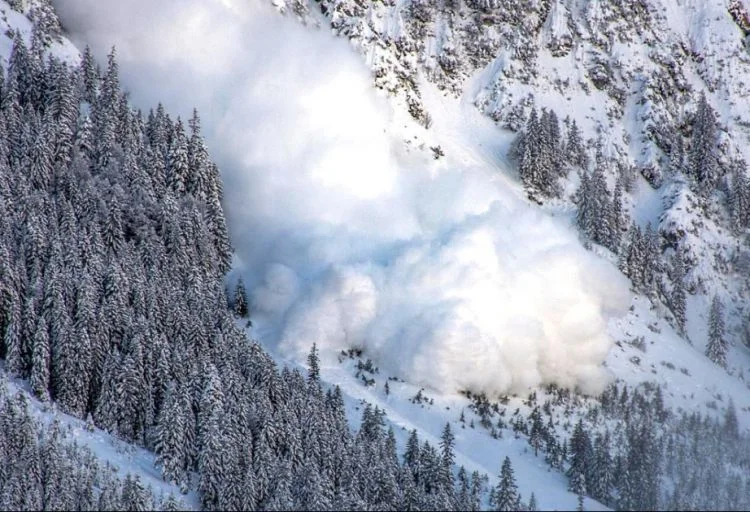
(637, 68)
(13, 22)
(124, 457)
(630, 74)
(410, 245)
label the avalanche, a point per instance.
(348, 238)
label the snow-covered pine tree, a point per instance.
(505, 496)
(580, 459)
(46, 23)
(585, 216)
(537, 150)
(532, 505)
(170, 437)
(178, 166)
(731, 423)
(678, 297)
(595, 217)
(602, 472)
(537, 432)
(313, 366)
(619, 219)
(552, 147)
(739, 199)
(200, 180)
(703, 156)
(40, 361)
(575, 150)
(447, 459)
(212, 455)
(240, 303)
(89, 76)
(717, 347)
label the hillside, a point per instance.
(524, 220)
(640, 69)
(113, 255)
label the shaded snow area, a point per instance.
(125, 458)
(348, 236)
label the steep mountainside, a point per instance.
(655, 93)
(631, 76)
(487, 348)
(113, 311)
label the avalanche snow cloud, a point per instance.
(441, 274)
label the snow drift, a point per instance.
(443, 276)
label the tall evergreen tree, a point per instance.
(739, 199)
(505, 496)
(313, 365)
(538, 154)
(703, 157)
(170, 438)
(41, 361)
(678, 298)
(447, 459)
(580, 459)
(240, 299)
(178, 166)
(596, 216)
(575, 150)
(602, 472)
(717, 347)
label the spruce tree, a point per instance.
(178, 166)
(313, 365)
(41, 361)
(170, 438)
(678, 298)
(240, 299)
(580, 459)
(717, 347)
(731, 423)
(602, 480)
(537, 432)
(532, 506)
(739, 199)
(89, 76)
(619, 220)
(575, 151)
(538, 153)
(595, 217)
(447, 459)
(703, 157)
(505, 495)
